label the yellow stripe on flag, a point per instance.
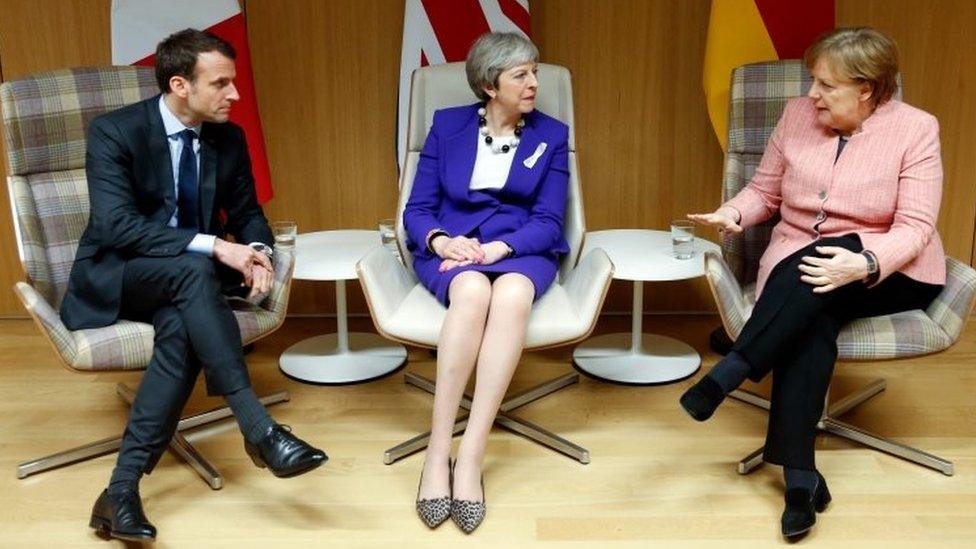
(736, 36)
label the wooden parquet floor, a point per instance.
(657, 479)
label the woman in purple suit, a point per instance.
(485, 226)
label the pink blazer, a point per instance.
(886, 187)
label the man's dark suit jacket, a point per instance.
(132, 194)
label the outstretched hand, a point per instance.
(725, 219)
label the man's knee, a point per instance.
(196, 266)
(196, 276)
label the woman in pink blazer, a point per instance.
(856, 178)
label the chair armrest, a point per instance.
(729, 299)
(587, 284)
(952, 307)
(276, 302)
(48, 320)
(385, 282)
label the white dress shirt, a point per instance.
(491, 168)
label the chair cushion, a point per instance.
(125, 345)
(553, 319)
(898, 335)
(128, 345)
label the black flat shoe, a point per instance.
(284, 453)
(701, 400)
(120, 516)
(802, 507)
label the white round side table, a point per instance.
(637, 358)
(343, 357)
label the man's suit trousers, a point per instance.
(195, 329)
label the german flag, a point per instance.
(750, 31)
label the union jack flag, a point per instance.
(442, 31)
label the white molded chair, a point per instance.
(403, 310)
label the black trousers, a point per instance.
(793, 334)
(183, 297)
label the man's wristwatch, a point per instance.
(263, 248)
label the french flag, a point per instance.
(138, 25)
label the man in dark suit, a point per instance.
(159, 174)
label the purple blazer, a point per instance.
(526, 214)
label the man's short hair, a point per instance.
(177, 54)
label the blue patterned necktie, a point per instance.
(188, 203)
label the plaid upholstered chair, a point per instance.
(759, 93)
(45, 118)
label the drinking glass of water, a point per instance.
(387, 229)
(683, 239)
(284, 233)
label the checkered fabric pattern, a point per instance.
(259, 320)
(45, 118)
(52, 212)
(900, 335)
(759, 94)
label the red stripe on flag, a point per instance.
(245, 112)
(457, 24)
(517, 14)
(793, 26)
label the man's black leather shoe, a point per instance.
(802, 507)
(284, 453)
(120, 516)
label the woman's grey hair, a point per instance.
(494, 53)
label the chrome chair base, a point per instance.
(179, 445)
(504, 419)
(830, 424)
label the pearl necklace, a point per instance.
(498, 148)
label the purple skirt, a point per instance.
(540, 269)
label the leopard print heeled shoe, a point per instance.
(469, 514)
(434, 511)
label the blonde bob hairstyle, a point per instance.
(861, 54)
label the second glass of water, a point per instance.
(387, 228)
(683, 239)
